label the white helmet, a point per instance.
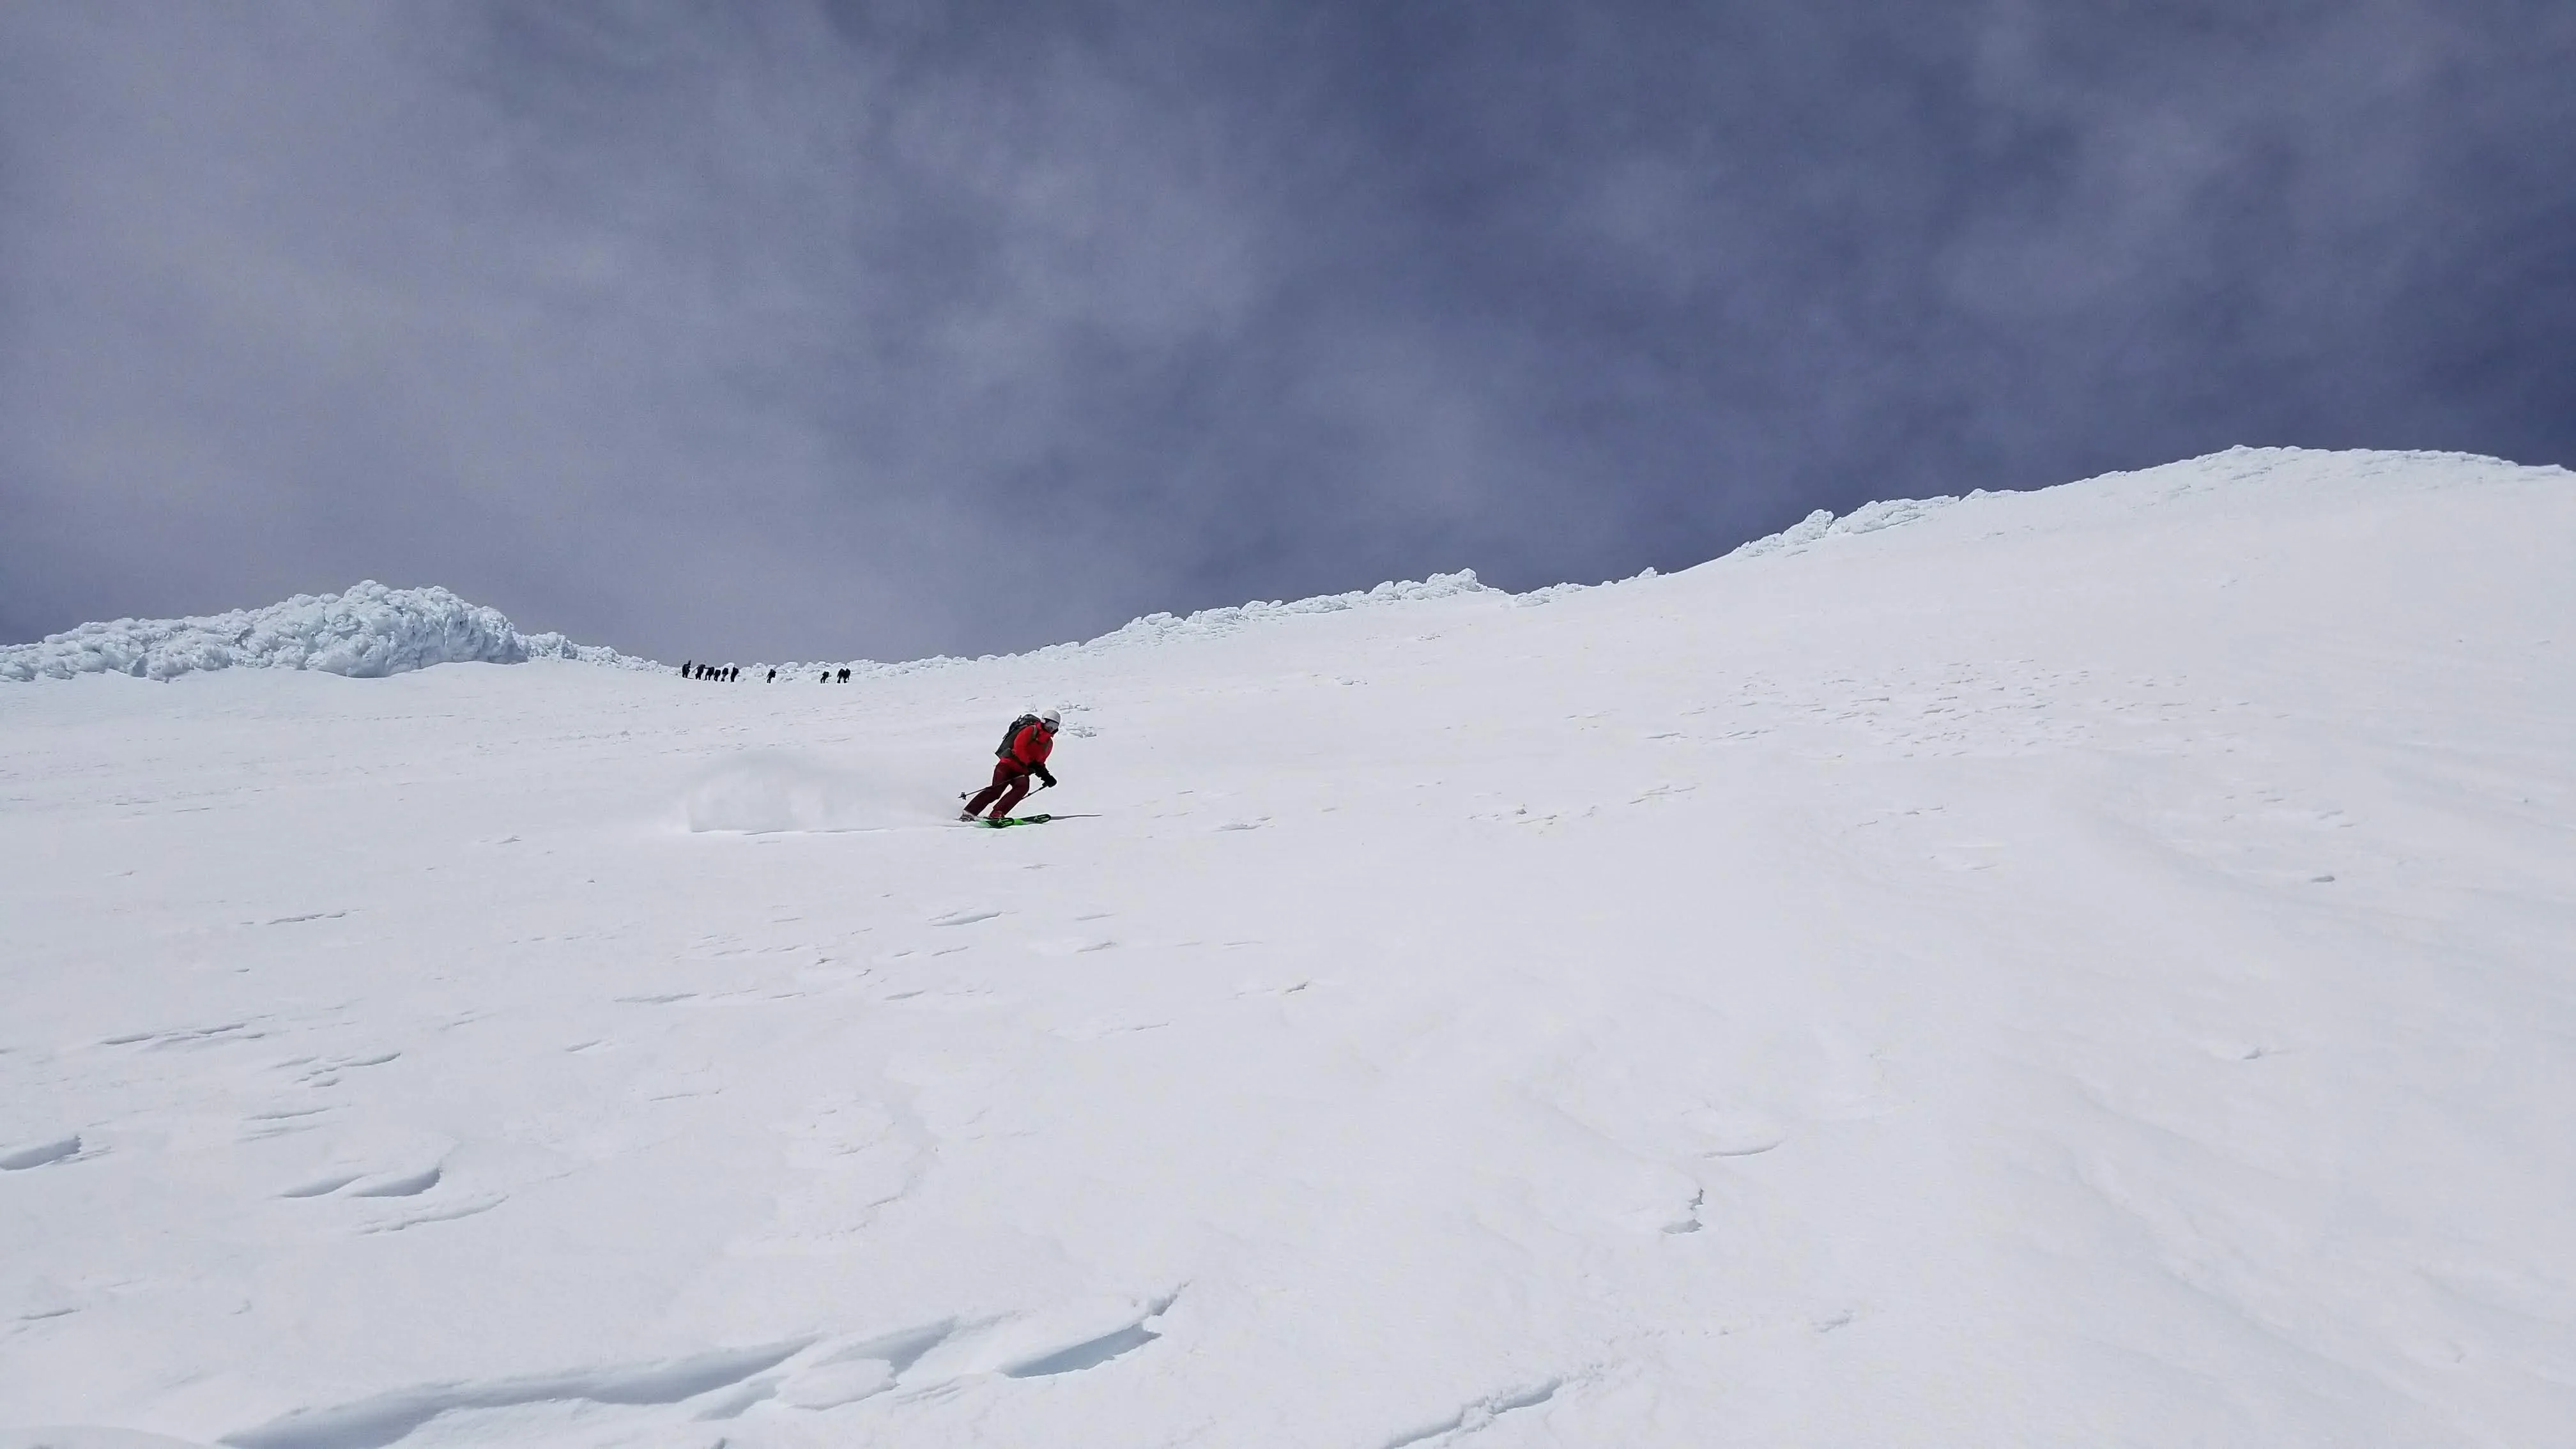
(1050, 719)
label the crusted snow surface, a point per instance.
(2083, 967)
(366, 632)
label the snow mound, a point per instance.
(1550, 593)
(1821, 525)
(366, 633)
(1207, 622)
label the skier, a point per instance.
(1023, 753)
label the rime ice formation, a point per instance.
(368, 632)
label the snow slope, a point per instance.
(367, 632)
(2085, 967)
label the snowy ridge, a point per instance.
(1203, 624)
(372, 631)
(1156, 627)
(368, 632)
(2238, 467)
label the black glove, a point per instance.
(1041, 773)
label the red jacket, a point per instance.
(1031, 746)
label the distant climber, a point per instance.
(689, 670)
(845, 674)
(1024, 752)
(772, 679)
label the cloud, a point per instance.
(836, 329)
(568, 305)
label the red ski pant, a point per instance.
(1010, 785)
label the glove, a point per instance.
(1041, 773)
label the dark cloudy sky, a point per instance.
(814, 329)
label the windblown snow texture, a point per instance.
(368, 632)
(2082, 967)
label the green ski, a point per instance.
(1009, 820)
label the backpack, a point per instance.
(1013, 733)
